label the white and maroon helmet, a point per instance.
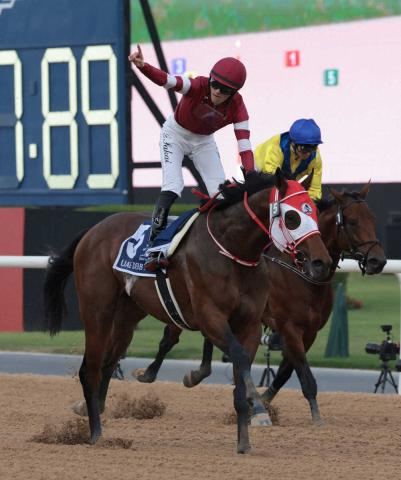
(230, 72)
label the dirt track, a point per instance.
(195, 437)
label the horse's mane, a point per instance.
(325, 203)
(233, 191)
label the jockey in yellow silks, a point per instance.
(296, 152)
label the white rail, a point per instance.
(392, 266)
(11, 261)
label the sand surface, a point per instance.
(192, 435)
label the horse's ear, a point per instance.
(307, 181)
(281, 182)
(365, 190)
(336, 194)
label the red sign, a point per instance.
(292, 58)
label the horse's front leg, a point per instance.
(240, 358)
(283, 374)
(194, 377)
(309, 389)
(90, 387)
(170, 338)
(250, 342)
(295, 346)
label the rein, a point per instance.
(293, 269)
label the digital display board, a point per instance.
(64, 102)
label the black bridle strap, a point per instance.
(355, 253)
(294, 270)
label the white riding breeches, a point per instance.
(175, 142)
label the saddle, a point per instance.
(133, 253)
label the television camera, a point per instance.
(387, 350)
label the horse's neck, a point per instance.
(329, 232)
(237, 229)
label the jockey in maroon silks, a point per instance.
(207, 105)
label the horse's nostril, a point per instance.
(317, 264)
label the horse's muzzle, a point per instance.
(319, 269)
(375, 265)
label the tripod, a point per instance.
(268, 371)
(385, 376)
(118, 372)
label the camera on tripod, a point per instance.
(387, 350)
(272, 341)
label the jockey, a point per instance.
(296, 153)
(207, 105)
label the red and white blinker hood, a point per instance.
(296, 199)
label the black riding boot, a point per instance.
(159, 222)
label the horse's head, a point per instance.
(294, 229)
(355, 230)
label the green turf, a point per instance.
(182, 19)
(381, 305)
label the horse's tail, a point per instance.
(58, 270)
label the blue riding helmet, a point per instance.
(305, 132)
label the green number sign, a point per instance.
(331, 77)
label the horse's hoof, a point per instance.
(244, 448)
(318, 422)
(261, 420)
(94, 438)
(187, 380)
(141, 375)
(138, 372)
(80, 408)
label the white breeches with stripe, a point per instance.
(175, 142)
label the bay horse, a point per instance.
(222, 296)
(347, 226)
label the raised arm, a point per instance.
(178, 83)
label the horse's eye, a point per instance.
(352, 222)
(292, 219)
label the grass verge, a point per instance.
(380, 296)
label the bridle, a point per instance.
(291, 245)
(353, 250)
(289, 242)
(223, 250)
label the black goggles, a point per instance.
(223, 88)
(306, 148)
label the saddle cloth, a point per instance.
(134, 250)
